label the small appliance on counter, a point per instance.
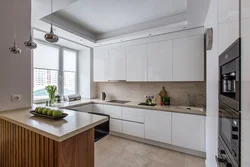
(103, 95)
(229, 107)
(70, 98)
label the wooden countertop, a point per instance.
(60, 130)
(133, 104)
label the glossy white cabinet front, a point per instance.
(228, 10)
(137, 63)
(133, 129)
(160, 61)
(188, 58)
(228, 34)
(101, 65)
(158, 126)
(188, 131)
(117, 64)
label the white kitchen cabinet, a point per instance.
(158, 126)
(188, 131)
(115, 125)
(228, 10)
(113, 111)
(137, 63)
(117, 64)
(133, 129)
(228, 34)
(97, 108)
(133, 114)
(101, 65)
(84, 108)
(188, 58)
(160, 61)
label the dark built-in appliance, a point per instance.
(229, 107)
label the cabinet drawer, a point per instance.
(133, 114)
(113, 111)
(98, 108)
(115, 125)
(85, 108)
(133, 129)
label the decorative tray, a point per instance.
(47, 116)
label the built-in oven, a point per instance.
(229, 131)
(229, 106)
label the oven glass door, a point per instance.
(225, 125)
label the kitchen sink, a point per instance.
(118, 101)
(190, 108)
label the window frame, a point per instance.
(60, 88)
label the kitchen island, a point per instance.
(31, 141)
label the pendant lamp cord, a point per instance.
(15, 18)
(51, 10)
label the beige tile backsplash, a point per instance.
(135, 91)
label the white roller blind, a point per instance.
(69, 60)
(46, 57)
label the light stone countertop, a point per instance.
(58, 130)
(133, 104)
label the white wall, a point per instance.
(245, 68)
(86, 86)
(212, 88)
(15, 70)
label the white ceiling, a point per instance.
(98, 22)
(102, 16)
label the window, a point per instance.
(54, 65)
(69, 71)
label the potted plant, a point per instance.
(166, 100)
(51, 89)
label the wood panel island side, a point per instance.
(30, 141)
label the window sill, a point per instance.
(39, 101)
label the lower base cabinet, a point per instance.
(158, 126)
(188, 131)
(133, 129)
(115, 125)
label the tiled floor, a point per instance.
(118, 152)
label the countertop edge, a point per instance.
(93, 101)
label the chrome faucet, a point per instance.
(202, 101)
(188, 100)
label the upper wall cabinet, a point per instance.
(228, 10)
(117, 64)
(188, 59)
(137, 63)
(101, 65)
(160, 61)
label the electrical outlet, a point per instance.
(16, 98)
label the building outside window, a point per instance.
(54, 65)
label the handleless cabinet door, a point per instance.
(113, 111)
(133, 129)
(228, 34)
(101, 65)
(117, 64)
(188, 58)
(160, 61)
(84, 108)
(115, 125)
(158, 126)
(188, 131)
(97, 108)
(228, 10)
(137, 63)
